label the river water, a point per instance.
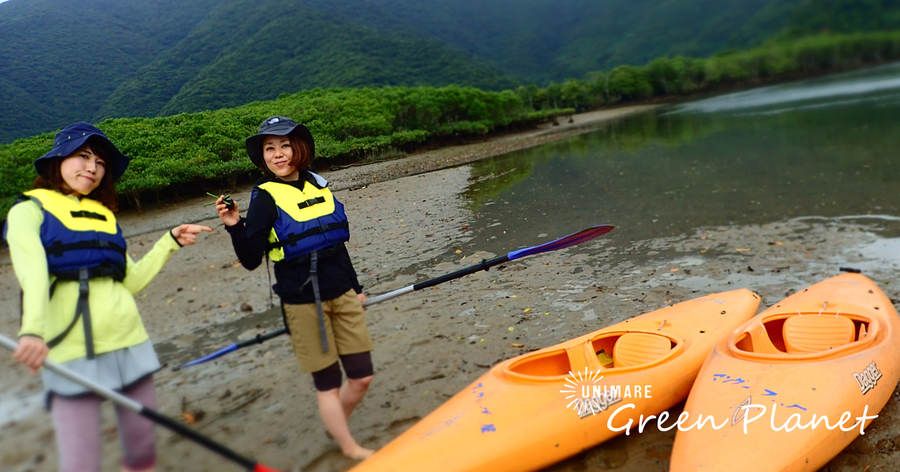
(824, 147)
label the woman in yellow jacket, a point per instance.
(78, 287)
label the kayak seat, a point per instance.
(639, 348)
(804, 334)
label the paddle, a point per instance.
(151, 415)
(555, 245)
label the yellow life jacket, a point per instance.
(308, 220)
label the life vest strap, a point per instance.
(322, 254)
(58, 248)
(293, 238)
(314, 278)
(82, 310)
(311, 202)
(92, 273)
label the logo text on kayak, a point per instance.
(868, 378)
(587, 397)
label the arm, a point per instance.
(139, 274)
(30, 264)
(250, 235)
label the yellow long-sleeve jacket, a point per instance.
(114, 313)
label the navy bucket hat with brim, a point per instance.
(76, 135)
(277, 126)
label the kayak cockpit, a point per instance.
(608, 352)
(805, 335)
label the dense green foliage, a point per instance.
(843, 16)
(189, 149)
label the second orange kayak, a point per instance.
(795, 385)
(536, 409)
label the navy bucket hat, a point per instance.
(277, 126)
(76, 135)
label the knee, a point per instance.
(361, 384)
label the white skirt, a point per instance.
(116, 370)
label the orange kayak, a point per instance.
(795, 385)
(536, 409)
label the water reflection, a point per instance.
(870, 85)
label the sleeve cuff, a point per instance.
(175, 239)
(32, 335)
(236, 227)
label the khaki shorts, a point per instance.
(345, 325)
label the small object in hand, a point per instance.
(229, 203)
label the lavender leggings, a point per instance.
(77, 422)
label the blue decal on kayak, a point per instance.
(794, 406)
(488, 428)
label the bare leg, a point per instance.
(332, 412)
(353, 392)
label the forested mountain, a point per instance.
(67, 60)
(249, 50)
(558, 39)
(61, 59)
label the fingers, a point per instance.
(229, 216)
(186, 234)
(31, 352)
(195, 229)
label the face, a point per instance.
(83, 170)
(277, 154)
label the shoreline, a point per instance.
(137, 223)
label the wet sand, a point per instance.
(408, 224)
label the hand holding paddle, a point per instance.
(32, 351)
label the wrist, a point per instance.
(175, 238)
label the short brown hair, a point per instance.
(105, 193)
(301, 151)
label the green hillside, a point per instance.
(138, 58)
(553, 40)
(60, 60)
(243, 52)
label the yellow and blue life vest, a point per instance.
(308, 220)
(79, 235)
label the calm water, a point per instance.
(822, 147)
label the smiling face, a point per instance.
(279, 157)
(83, 170)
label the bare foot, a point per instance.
(359, 453)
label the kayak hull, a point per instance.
(771, 389)
(536, 409)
